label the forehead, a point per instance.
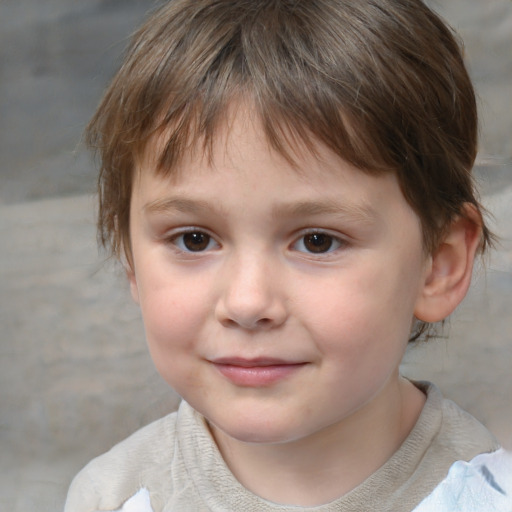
(241, 164)
(197, 134)
(238, 133)
(238, 143)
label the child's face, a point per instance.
(277, 302)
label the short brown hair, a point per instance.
(382, 83)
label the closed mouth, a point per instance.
(256, 373)
(256, 362)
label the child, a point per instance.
(288, 183)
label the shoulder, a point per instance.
(443, 435)
(459, 436)
(484, 483)
(141, 460)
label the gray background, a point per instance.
(74, 373)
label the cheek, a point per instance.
(173, 314)
(171, 328)
(363, 313)
(170, 317)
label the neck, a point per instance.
(327, 464)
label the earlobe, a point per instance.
(127, 262)
(449, 274)
(130, 274)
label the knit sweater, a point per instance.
(176, 462)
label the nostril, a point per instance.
(262, 322)
(249, 302)
(248, 324)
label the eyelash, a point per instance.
(326, 242)
(321, 237)
(178, 240)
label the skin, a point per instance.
(315, 273)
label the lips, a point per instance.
(259, 372)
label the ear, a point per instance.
(130, 274)
(449, 274)
(126, 259)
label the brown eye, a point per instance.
(318, 242)
(195, 241)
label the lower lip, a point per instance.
(257, 376)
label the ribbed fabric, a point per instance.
(176, 459)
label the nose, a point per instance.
(251, 294)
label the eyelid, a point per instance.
(174, 234)
(341, 241)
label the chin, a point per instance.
(257, 430)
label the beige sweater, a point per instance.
(176, 459)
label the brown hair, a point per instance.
(382, 83)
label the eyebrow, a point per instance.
(179, 204)
(360, 213)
